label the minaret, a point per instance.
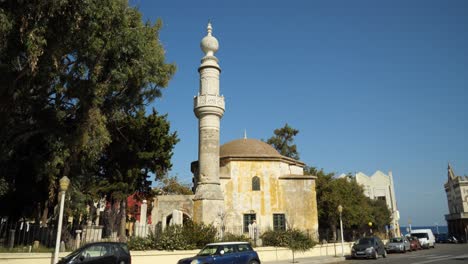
(208, 108)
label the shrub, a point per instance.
(275, 238)
(172, 238)
(140, 243)
(232, 237)
(198, 235)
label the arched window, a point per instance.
(255, 183)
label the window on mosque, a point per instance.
(381, 198)
(279, 222)
(256, 183)
(248, 219)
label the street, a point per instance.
(442, 253)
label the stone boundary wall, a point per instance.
(171, 257)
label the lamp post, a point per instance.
(64, 183)
(370, 227)
(340, 210)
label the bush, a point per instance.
(140, 243)
(176, 237)
(231, 237)
(275, 238)
(198, 235)
(172, 238)
(291, 238)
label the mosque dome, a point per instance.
(209, 44)
(248, 148)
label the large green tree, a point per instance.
(283, 141)
(73, 74)
(358, 210)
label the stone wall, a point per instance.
(291, 195)
(164, 205)
(171, 257)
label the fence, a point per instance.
(25, 234)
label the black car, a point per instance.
(445, 238)
(368, 247)
(100, 252)
(224, 253)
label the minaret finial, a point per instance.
(245, 133)
(209, 43)
(209, 29)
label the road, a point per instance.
(442, 253)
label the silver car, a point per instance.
(398, 244)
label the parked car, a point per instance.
(398, 244)
(445, 238)
(425, 236)
(441, 238)
(99, 253)
(414, 243)
(224, 252)
(368, 247)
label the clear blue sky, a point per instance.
(371, 85)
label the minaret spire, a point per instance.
(450, 173)
(209, 109)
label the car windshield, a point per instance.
(207, 251)
(396, 240)
(365, 241)
(419, 235)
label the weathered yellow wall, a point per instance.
(296, 198)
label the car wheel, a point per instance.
(384, 254)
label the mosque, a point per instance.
(242, 182)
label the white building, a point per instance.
(380, 186)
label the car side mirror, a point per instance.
(81, 258)
(221, 252)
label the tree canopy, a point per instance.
(358, 209)
(283, 140)
(77, 77)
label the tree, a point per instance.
(73, 72)
(298, 241)
(172, 186)
(141, 148)
(358, 209)
(283, 141)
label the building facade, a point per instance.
(456, 189)
(380, 186)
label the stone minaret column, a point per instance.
(209, 108)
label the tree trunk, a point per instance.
(333, 228)
(123, 220)
(45, 212)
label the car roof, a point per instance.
(227, 243)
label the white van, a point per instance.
(425, 236)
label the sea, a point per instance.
(435, 229)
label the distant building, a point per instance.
(380, 186)
(457, 198)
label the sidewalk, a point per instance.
(311, 260)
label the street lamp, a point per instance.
(370, 227)
(64, 183)
(340, 210)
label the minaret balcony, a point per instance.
(210, 103)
